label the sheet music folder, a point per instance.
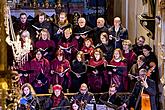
(119, 69)
(25, 71)
(82, 33)
(98, 107)
(94, 68)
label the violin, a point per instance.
(150, 71)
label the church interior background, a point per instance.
(129, 11)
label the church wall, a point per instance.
(135, 8)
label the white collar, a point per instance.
(117, 60)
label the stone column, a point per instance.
(162, 55)
(3, 46)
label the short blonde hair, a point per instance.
(81, 53)
(68, 29)
(100, 52)
(117, 19)
(127, 42)
(48, 34)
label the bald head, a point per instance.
(81, 22)
(117, 21)
(83, 88)
(100, 22)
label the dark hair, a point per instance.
(105, 35)
(75, 102)
(141, 57)
(42, 14)
(30, 88)
(146, 46)
(23, 14)
(137, 38)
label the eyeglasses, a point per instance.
(83, 89)
(140, 40)
(96, 54)
(80, 22)
(142, 75)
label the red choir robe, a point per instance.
(66, 43)
(87, 50)
(130, 57)
(25, 78)
(41, 66)
(44, 44)
(49, 45)
(95, 81)
(59, 67)
(120, 80)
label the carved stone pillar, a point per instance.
(3, 49)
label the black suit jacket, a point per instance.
(151, 91)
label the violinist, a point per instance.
(149, 55)
(153, 72)
(135, 70)
(28, 100)
(112, 100)
(146, 86)
(83, 96)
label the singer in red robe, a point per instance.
(40, 65)
(119, 77)
(88, 48)
(46, 44)
(60, 68)
(128, 53)
(69, 44)
(95, 77)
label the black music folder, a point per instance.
(25, 71)
(82, 33)
(119, 69)
(94, 68)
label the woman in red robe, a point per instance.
(39, 78)
(96, 76)
(46, 44)
(128, 53)
(88, 48)
(119, 74)
(68, 44)
(60, 68)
